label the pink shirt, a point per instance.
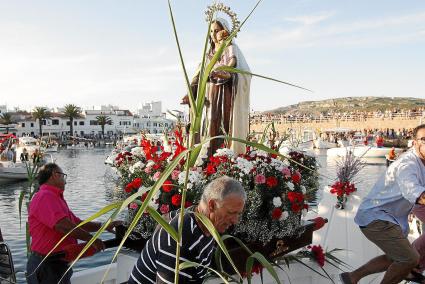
(47, 207)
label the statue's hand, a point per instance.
(185, 100)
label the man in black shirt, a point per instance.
(222, 202)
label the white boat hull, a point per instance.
(9, 172)
(362, 151)
(320, 144)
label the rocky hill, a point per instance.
(349, 104)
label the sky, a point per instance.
(100, 52)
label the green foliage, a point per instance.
(41, 113)
(71, 112)
(102, 120)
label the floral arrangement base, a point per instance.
(137, 243)
(272, 250)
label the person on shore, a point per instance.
(49, 220)
(222, 202)
(383, 215)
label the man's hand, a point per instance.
(185, 100)
(98, 245)
(421, 199)
(111, 227)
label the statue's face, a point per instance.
(215, 28)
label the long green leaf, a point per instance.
(235, 70)
(164, 224)
(264, 262)
(189, 89)
(165, 174)
(21, 199)
(207, 223)
(188, 264)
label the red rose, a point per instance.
(137, 182)
(296, 177)
(176, 199)
(187, 204)
(167, 186)
(276, 213)
(271, 181)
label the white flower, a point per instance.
(277, 164)
(194, 177)
(189, 185)
(150, 164)
(303, 189)
(277, 201)
(304, 212)
(224, 152)
(142, 189)
(137, 151)
(244, 165)
(262, 153)
(284, 215)
(138, 165)
(290, 185)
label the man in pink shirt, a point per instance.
(49, 220)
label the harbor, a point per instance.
(92, 184)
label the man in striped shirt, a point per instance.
(222, 202)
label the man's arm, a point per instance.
(65, 226)
(408, 182)
(95, 226)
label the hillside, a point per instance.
(351, 104)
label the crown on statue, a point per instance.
(220, 7)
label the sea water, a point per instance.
(91, 185)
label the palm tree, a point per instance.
(102, 120)
(41, 113)
(72, 112)
(6, 119)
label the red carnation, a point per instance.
(276, 213)
(296, 177)
(295, 207)
(271, 182)
(137, 182)
(318, 255)
(129, 188)
(167, 186)
(144, 195)
(210, 169)
(176, 199)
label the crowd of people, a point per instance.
(341, 116)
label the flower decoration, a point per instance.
(347, 169)
(278, 191)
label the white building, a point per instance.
(122, 122)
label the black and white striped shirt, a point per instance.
(157, 261)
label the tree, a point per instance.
(6, 119)
(40, 113)
(102, 120)
(72, 112)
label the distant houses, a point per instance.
(116, 121)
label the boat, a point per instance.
(80, 145)
(340, 232)
(362, 151)
(10, 171)
(319, 143)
